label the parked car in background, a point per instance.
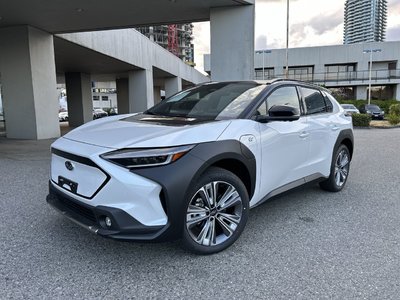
(63, 116)
(113, 111)
(373, 110)
(350, 109)
(192, 166)
(99, 113)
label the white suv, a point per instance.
(191, 167)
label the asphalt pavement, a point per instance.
(307, 244)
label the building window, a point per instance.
(104, 98)
(340, 72)
(96, 98)
(304, 73)
(268, 73)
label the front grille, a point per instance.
(76, 208)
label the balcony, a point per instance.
(350, 77)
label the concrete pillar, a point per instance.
(397, 92)
(79, 98)
(28, 78)
(123, 95)
(361, 92)
(172, 86)
(232, 43)
(140, 90)
(157, 94)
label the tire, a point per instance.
(211, 226)
(340, 168)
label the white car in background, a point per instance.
(350, 109)
(192, 166)
(63, 116)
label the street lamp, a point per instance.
(370, 51)
(263, 59)
(287, 40)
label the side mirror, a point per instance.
(280, 113)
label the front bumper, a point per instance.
(145, 203)
(124, 226)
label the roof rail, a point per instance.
(300, 81)
(284, 79)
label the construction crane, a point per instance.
(173, 46)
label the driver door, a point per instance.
(284, 144)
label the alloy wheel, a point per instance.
(341, 167)
(214, 213)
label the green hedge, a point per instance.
(383, 104)
(393, 119)
(394, 114)
(394, 109)
(361, 120)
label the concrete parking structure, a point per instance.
(28, 60)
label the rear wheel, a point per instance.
(339, 170)
(216, 212)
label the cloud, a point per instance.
(393, 34)
(324, 23)
(201, 34)
(320, 24)
(261, 42)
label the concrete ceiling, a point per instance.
(60, 16)
(71, 57)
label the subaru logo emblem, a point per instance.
(69, 165)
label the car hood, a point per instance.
(142, 131)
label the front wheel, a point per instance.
(339, 170)
(216, 212)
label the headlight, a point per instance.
(135, 158)
(368, 112)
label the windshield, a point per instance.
(373, 108)
(214, 101)
(348, 106)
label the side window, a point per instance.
(313, 101)
(328, 103)
(286, 96)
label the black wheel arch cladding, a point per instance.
(346, 138)
(177, 177)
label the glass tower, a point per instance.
(364, 21)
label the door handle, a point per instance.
(304, 134)
(335, 127)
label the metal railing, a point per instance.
(342, 77)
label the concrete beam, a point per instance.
(142, 53)
(232, 43)
(172, 86)
(28, 78)
(79, 98)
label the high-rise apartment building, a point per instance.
(177, 39)
(364, 21)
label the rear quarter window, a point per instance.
(314, 101)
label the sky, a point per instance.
(312, 23)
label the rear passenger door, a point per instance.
(323, 130)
